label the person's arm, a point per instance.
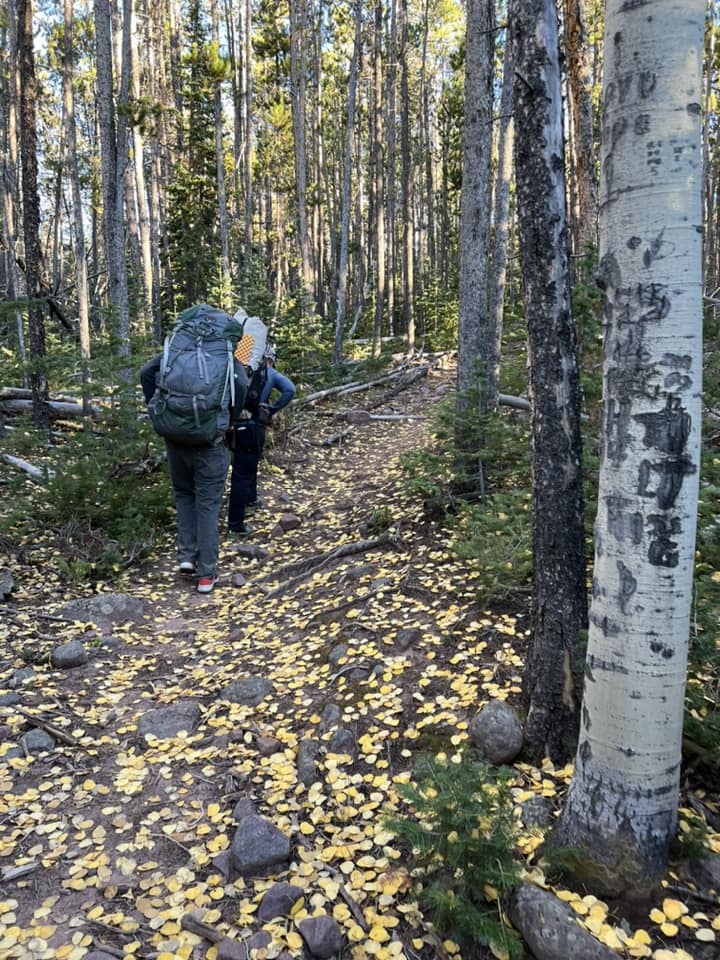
(286, 388)
(148, 377)
(241, 388)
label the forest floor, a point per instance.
(108, 841)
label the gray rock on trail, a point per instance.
(229, 949)
(330, 717)
(289, 521)
(279, 901)
(257, 846)
(497, 732)
(19, 677)
(104, 608)
(9, 699)
(36, 741)
(248, 692)
(169, 720)
(7, 584)
(243, 808)
(342, 741)
(407, 637)
(550, 929)
(337, 654)
(69, 655)
(307, 771)
(322, 935)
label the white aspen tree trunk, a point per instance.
(621, 811)
(141, 195)
(476, 341)
(78, 229)
(346, 187)
(501, 218)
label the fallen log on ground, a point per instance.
(57, 408)
(35, 472)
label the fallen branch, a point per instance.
(354, 386)
(14, 873)
(57, 408)
(48, 727)
(28, 468)
(301, 569)
(193, 924)
(408, 380)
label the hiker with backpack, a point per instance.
(195, 391)
(248, 438)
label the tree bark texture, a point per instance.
(477, 364)
(559, 600)
(583, 220)
(31, 210)
(621, 811)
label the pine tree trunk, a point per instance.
(583, 225)
(346, 187)
(9, 99)
(31, 211)
(112, 178)
(559, 595)
(78, 229)
(298, 72)
(379, 178)
(406, 185)
(621, 812)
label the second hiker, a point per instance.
(248, 438)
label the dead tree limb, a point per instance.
(48, 727)
(298, 570)
(35, 472)
(58, 408)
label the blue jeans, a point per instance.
(198, 477)
(249, 442)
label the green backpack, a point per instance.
(196, 386)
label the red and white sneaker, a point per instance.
(206, 584)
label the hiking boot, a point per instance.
(255, 505)
(186, 568)
(244, 531)
(206, 584)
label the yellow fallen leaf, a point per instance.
(294, 940)
(705, 934)
(657, 916)
(673, 909)
(669, 929)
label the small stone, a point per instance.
(497, 732)
(279, 901)
(407, 637)
(330, 717)
(322, 935)
(289, 521)
(257, 846)
(68, 655)
(243, 808)
(267, 746)
(168, 721)
(248, 691)
(342, 741)
(238, 580)
(36, 741)
(308, 752)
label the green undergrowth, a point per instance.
(458, 834)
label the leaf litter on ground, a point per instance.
(120, 837)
